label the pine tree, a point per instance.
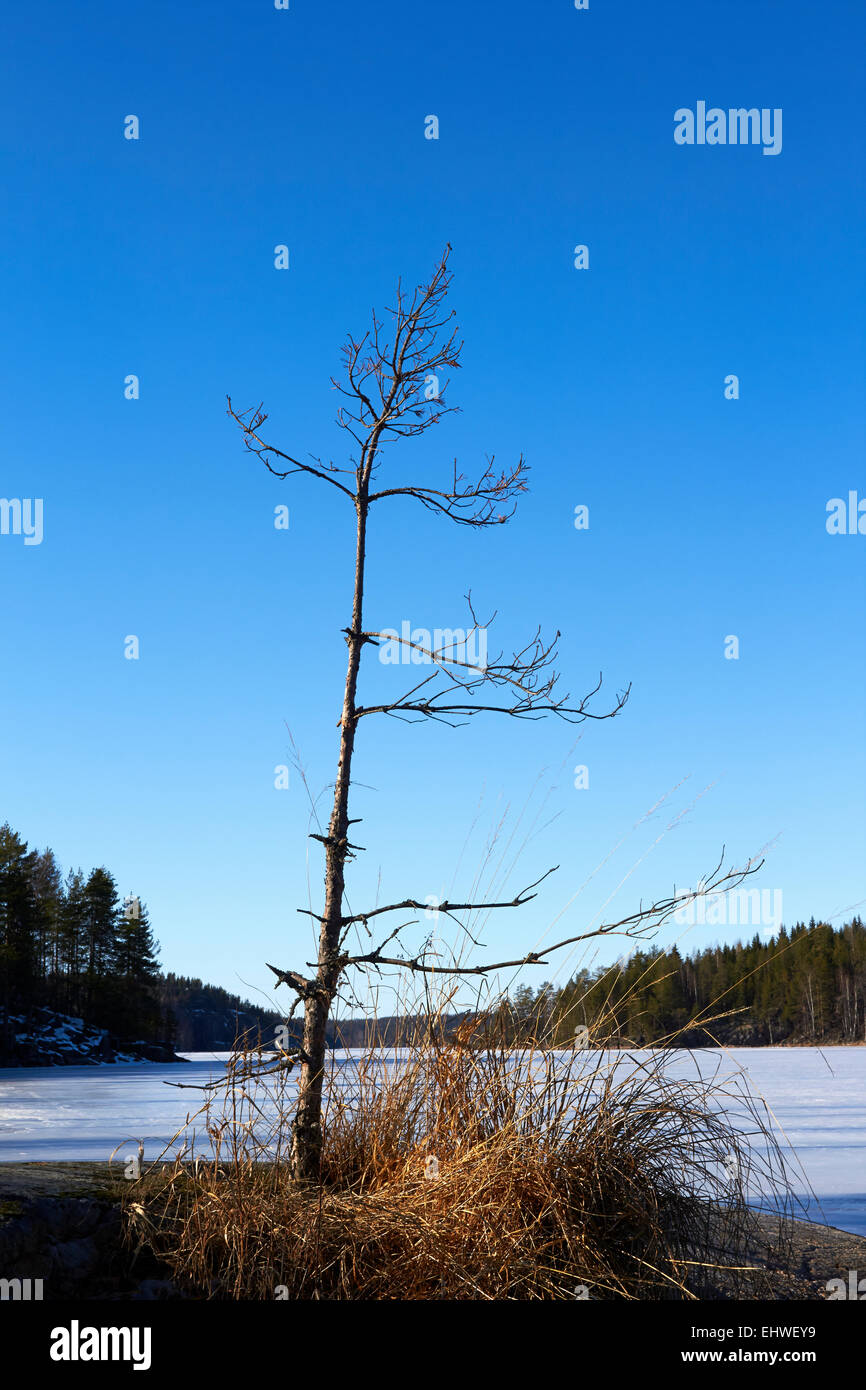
(102, 996)
(72, 943)
(138, 973)
(19, 948)
(45, 878)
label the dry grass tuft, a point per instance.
(560, 1175)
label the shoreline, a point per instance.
(60, 1221)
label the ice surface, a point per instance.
(816, 1096)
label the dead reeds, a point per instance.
(460, 1168)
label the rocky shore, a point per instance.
(61, 1223)
(43, 1038)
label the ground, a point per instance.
(60, 1222)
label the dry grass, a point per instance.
(559, 1176)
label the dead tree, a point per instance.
(392, 389)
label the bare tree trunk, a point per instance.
(307, 1129)
(394, 392)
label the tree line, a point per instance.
(806, 985)
(208, 1018)
(69, 944)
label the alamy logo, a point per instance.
(76, 1343)
(737, 907)
(22, 516)
(20, 1290)
(736, 126)
(418, 646)
(854, 1289)
(846, 519)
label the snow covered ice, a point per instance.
(816, 1096)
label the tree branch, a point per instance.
(251, 421)
(411, 904)
(636, 926)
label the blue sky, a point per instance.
(707, 515)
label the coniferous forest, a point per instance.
(69, 944)
(804, 986)
(71, 948)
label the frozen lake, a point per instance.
(816, 1096)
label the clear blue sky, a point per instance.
(707, 515)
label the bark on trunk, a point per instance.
(307, 1128)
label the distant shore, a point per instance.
(100, 1050)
